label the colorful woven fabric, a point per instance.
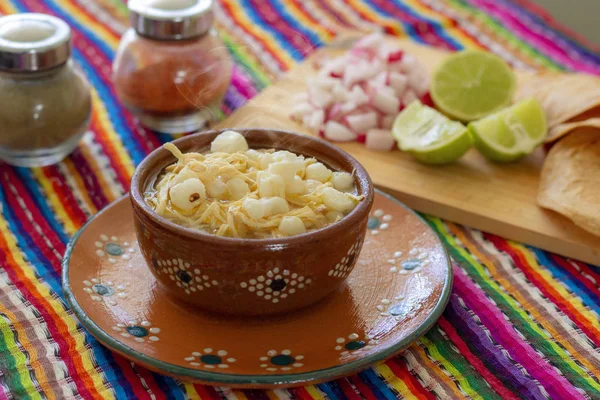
(521, 323)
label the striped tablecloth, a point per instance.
(521, 323)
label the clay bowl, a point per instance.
(250, 276)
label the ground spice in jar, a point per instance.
(171, 78)
(45, 100)
(172, 70)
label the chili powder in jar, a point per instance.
(172, 70)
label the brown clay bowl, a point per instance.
(250, 276)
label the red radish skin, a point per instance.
(427, 100)
(395, 56)
(361, 138)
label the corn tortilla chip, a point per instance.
(561, 130)
(564, 97)
(570, 180)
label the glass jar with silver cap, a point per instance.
(45, 103)
(172, 70)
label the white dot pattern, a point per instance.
(276, 284)
(188, 279)
(343, 268)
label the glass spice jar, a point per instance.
(45, 102)
(171, 69)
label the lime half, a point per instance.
(511, 133)
(472, 84)
(429, 136)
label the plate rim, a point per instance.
(240, 380)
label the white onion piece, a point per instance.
(362, 122)
(338, 133)
(379, 139)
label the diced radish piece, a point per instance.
(398, 82)
(408, 97)
(300, 110)
(408, 63)
(320, 98)
(325, 82)
(353, 74)
(422, 86)
(372, 41)
(314, 121)
(385, 103)
(427, 100)
(364, 54)
(335, 112)
(362, 122)
(334, 67)
(395, 56)
(338, 132)
(388, 91)
(358, 96)
(348, 107)
(379, 80)
(340, 93)
(380, 139)
(361, 138)
(387, 121)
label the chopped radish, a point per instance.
(380, 139)
(408, 97)
(398, 82)
(362, 122)
(314, 121)
(372, 41)
(320, 98)
(395, 56)
(408, 63)
(340, 93)
(427, 100)
(300, 110)
(379, 80)
(385, 103)
(357, 96)
(338, 132)
(388, 121)
(348, 107)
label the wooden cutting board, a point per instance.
(495, 198)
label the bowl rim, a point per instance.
(147, 166)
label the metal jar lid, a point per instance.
(171, 19)
(33, 42)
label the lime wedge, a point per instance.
(471, 84)
(429, 136)
(511, 133)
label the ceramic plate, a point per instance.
(397, 291)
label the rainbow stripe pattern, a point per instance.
(521, 324)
